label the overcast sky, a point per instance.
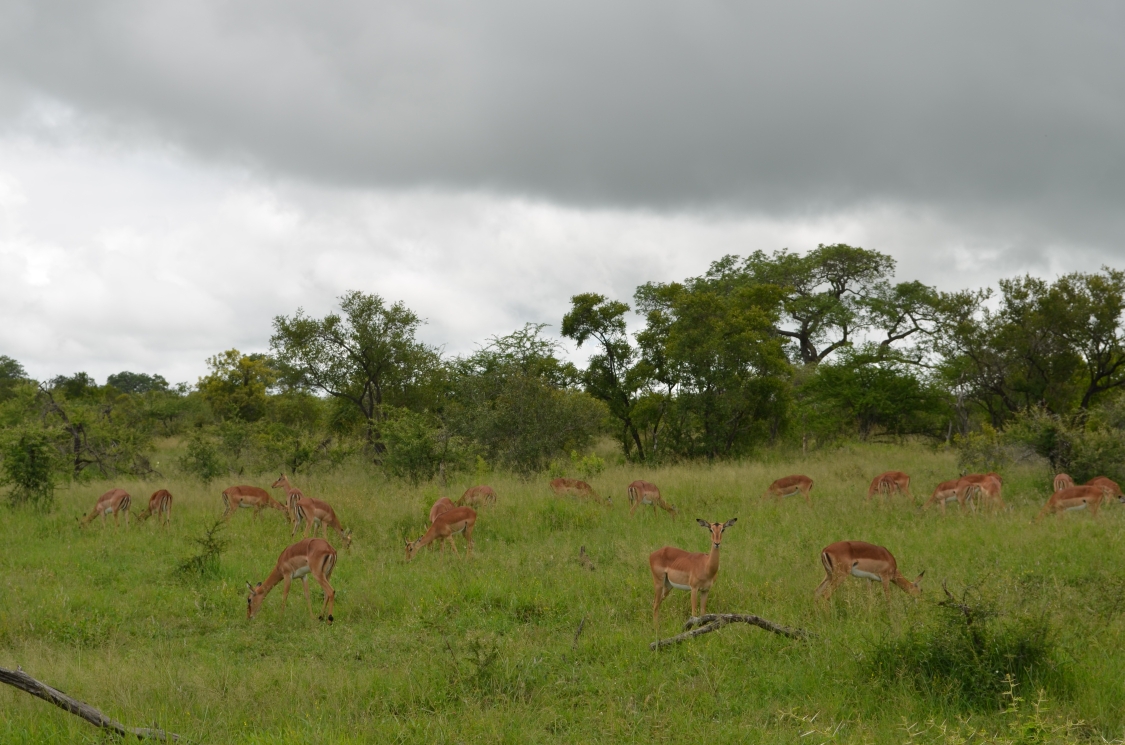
(174, 175)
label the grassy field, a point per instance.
(447, 650)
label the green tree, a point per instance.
(28, 466)
(131, 382)
(238, 385)
(11, 375)
(369, 356)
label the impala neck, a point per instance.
(271, 581)
(713, 560)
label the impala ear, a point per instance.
(250, 587)
(730, 522)
(704, 523)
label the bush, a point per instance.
(206, 562)
(967, 656)
(29, 459)
(201, 459)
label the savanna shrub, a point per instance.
(965, 656)
(28, 467)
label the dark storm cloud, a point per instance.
(1000, 111)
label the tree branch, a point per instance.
(19, 679)
(715, 621)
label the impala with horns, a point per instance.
(1062, 481)
(113, 502)
(248, 497)
(889, 482)
(160, 503)
(676, 569)
(311, 556)
(476, 496)
(866, 561)
(448, 524)
(577, 488)
(790, 486)
(645, 492)
(1075, 498)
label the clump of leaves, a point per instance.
(28, 458)
(969, 655)
(211, 545)
(202, 459)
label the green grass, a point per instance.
(446, 650)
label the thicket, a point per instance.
(769, 349)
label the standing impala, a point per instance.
(947, 491)
(676, 569)
(113, 502)
(889, 482)
(235, 497)
(578, 488)
(314, 514)
(441, 506)
(292, 494)
(1075, 498)
(311, 556)
(789, 486)
(160, 503)
(645, 492)
(476, 496)
(447, 525)
(866, 561)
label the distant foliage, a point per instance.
(201, 459)
(28, 467)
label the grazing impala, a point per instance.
(888, 483)
(984, 485)
(311, 556)
(645, 492)
(674, 568)
(1075, 498)
(947, 491)
(1113, 489)
(789, 486)
(866, 561)
(1063, 481)
(248, 496)
(160, 503)
(578, 488)
(441, 506)
(476, 496)
(316, 514)
(448, 524)
(113, 502)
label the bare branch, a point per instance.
(715, 621)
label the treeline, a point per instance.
(770, 348)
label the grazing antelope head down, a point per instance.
(254, 602)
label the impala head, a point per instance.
(254, 601)
(348, 539)
(717, 529)
(412, 548)
(916, 585)
(281, 482)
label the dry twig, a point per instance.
(715, 621)
(19, 679)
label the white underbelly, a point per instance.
(951, 498)
(1079, 507)
(298, 573)
(679, 587)
(646, 500)
(865, 575)
(244, 504)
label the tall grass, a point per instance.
(442, 649)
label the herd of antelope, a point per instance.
(672, 568)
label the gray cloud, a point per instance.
(979, 109)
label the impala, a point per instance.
(160, 503)
(676, 569)
(983, 484)
(235, 497)
(1075, 498)
(477, 495)
(789, 486)
(448, 524)
(113, 502)
(314, 513)
(1063, 481)
(645, 492)
(946, 491)
(292, 494)
(866, 561)
(578, 489)
(1104, 483)
(441, 506)
(311, 556)
(889, 482)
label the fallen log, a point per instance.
(715, 621)
(19, 679)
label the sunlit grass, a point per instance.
(446, 650)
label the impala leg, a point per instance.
(662, 590)
(694, 599)
(887, 589)
(469, 541)
(285, 593)
(308, 602)
(703, 602)
(329, 598)
(808, 501)
(829, 585)
(453, 545)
